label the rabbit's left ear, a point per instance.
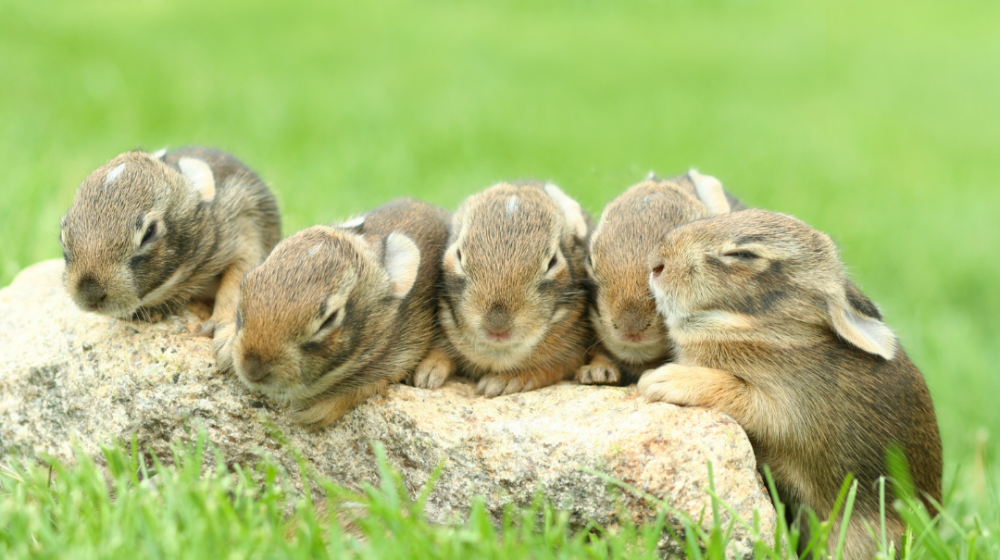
(571, 209)
(199, 177)
(856, 320)
(710, 192)
(402, 261)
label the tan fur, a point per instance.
(750, 299)
(208, 229)
(333, 315)
(434, 370)
(515, 296)
(632, 335)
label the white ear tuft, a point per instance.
(402, 260)
(199, 176)
(353, 223)
(571, 209)
(113, 174)
(710, 192)
(867, 333)
(158, 154)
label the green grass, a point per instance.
(875, 122)
(142, 508)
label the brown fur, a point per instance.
(623, 314)
(326, 322)
(514, 268)
(202, 242)
(768, 329)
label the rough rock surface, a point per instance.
(70, 377)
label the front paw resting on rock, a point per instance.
(495, 385)
(506, 383)
(673, 383)
(434, 370)
(208, 328)
(222, 344)
(600, 371)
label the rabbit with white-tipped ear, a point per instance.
(768, 328)
(515, 294)
(148, 232)
(632, 335)
(336, 314)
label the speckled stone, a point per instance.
(68, 377)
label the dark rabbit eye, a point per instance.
(742, 255)
(657, 270)
(150, 232)
(330, 320)
(553, 263)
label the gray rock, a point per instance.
(68, 377)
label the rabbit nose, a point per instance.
(254, 369)
(91, 292)
(497, 322)
(632, 328)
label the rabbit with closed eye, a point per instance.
(632, 335)
(514, 299)
(336, 314)
(767, 327)
(152, 231)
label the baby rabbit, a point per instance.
(515, 296)
(336, 314)
(768, 328)
(633, 337)
(152, 231)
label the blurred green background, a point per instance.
(876, 122)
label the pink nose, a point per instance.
(498, 336)
(633, 337)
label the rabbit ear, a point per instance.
(571, 209)
(856, 320)
(199, 176)
(401, 259)
(710, 192)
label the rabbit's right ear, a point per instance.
(402, 260)
(855, 319)
(571, 209)
(710, 192)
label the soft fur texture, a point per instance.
(150, 231)
(768, 328)
(632, 335)
(514, 298)
(335, 314)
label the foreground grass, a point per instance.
(151, 510)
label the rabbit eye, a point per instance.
(150, 232)
(330, 320)
(552, 263)
(742, 255)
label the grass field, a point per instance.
(875, 122)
